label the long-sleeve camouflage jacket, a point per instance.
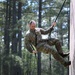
(34, 36)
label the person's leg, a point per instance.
(58, 46)
(49, 50)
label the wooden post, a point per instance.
(72, 38)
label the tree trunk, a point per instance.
(5, 67)
(14, 39)
(39, 54)
(6, 30)
(19, 33)
(72, 38)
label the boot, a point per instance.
(64, 54)
(66, 64)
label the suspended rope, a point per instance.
(60, 10)
(58, 15)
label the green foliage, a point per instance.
(30, 10)
(16, 60)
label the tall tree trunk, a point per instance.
(72, 37)
(6, 30)
(5, 66)
(13, 70)
(14, 39)
(19, 33)
(50, 65)
(39, 54)
(19, 70)
(50, 61)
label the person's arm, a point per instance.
(43, 31)
(28, 44)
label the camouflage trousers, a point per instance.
(46, 47)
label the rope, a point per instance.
(58, 14)
(60, 10)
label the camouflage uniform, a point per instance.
(43, 45)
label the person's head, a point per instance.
(32, 24)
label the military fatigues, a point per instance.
(43, 45)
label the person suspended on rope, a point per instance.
(33, 39)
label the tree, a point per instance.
(17, 15)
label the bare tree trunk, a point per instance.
(39, 54)
(5, 67)
(72, 38)
(14, 39)
(19, 33)
(6, 30)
